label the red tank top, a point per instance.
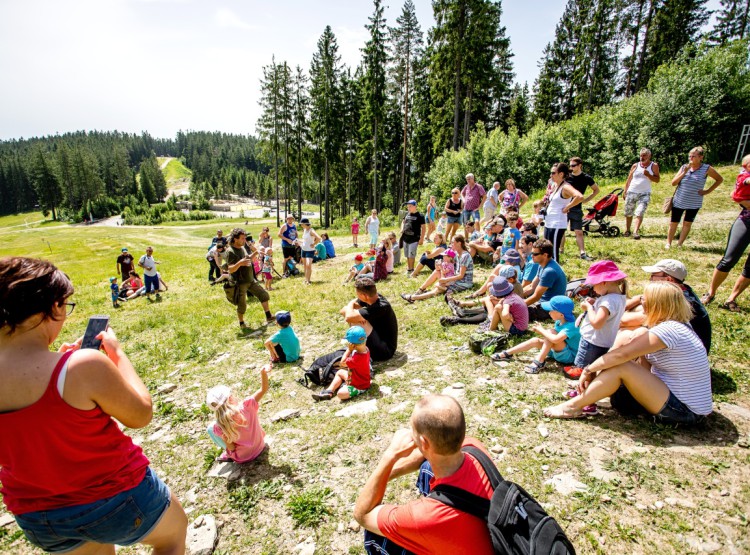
(53, 455)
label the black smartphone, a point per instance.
(97, 324)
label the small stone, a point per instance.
(202, 535)
(458, 385)
(307, 547)
(287, 488)
(416, 381)
(6, 519)
(684, 503)
(566, 484)
(502, 363)
(285, 414)
(192, 495)
(605, 499)
(166, 388)
(385, 390)
(497, 449)
(354, 526)
(659, 505)
(640, 506)
(399, 407)
(340, 527)
(225, 469)
(453, 392)
(525, 413)
(543, 431)
(652, 465)
(744, 442)
(724, 493)
(353, 409)
(710, 547)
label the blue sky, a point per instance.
(165, 65)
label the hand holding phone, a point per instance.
(96, 325)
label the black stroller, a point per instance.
(600, 214)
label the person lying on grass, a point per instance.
(356, 370)
(237, 428)
(660, 371)
(560, 343)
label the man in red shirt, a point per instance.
(425, 525)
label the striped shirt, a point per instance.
(683, 365)
(465, 260)
(686, 195)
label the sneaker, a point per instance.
(243, 325)
(667, 246)
(585, 256)
(158, 296)
(324, 395)
(637, 237)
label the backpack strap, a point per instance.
(463, 500)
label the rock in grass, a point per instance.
(566, 484)
(398, 408)
(285, 414)
(166, 388)
(543, 431)
(225, 469)
(6, 519)
(307, 547)
(364, 407)
(597, 457)
(202, 535)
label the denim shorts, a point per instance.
(673, 412)
(151, 283)
(588, 353)
(454, 219)
(308, 254)
(467, 215)
(123, 519)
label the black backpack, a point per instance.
(517, 522)
(322, 370)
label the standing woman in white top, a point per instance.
(662, 371)
(637, 191)
(688, 197)
(372, 225)
(561, 199)
(309, 238)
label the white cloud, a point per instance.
(227, 18)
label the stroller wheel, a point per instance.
(613, 231)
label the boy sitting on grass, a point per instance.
(561, 344)
(356, 374)
(284, 344)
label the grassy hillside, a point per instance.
(667, 490)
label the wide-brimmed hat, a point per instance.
(669, 266)
(606, 270)
(500, 287)
(507, 271)
(217, 396)
(512, 256)
(450, 252)
(561, 304)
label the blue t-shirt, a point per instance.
(511, 236)
(554, 279)
(320, 250)
(530, 270)
(573, 333)
(330, 251)
(288, 341)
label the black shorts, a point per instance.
(379, 349)
(690, 214)
(289, 252)
(575, 219)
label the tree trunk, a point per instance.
(636, 36)
(400, 196)
(326, 197)
(642, 57)
(375, 167)
(459, 61)
(467, 116)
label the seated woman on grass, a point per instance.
(429, 259)
(461, 281)
(661, 371)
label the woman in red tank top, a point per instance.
(69, 475)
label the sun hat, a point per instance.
(602, 271)
(217, 396)
(358, 257)
(112, 279)
(561, 304)
(450, 252)
(500, 287)
(356, 335)
(669, 266)
(507, 271)
(283, 318)
(512, 256)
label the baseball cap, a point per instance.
(512, 256)
(602, 271)
(358, 257)
(412, 202)
(217, 396)
(669, 266)
(561, 304)
(124, 249)
(507, 272)
(356, 335)
(304, 221)
(500, 287)
(283, 318)
(112, 279)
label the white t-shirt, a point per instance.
(683, 365)
(149, 265)
(605, 336)
(308, 240)
(639, 183)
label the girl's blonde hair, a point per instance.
(664, 300)
(438, 234)
(622, 285)
(746, 160)
(230, 418)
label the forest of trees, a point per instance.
(370, 136)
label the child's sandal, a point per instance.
(420, 291)
(534, 367)
(502, 355)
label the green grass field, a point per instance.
(667, 490)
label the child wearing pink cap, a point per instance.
(448, 264)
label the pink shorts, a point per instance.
(267, 276)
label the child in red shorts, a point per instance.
(355, 377)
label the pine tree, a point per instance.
(733, 21)
(45, 181)
(519, 111)
(270, 124)
(300, 129)
(406, 43)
